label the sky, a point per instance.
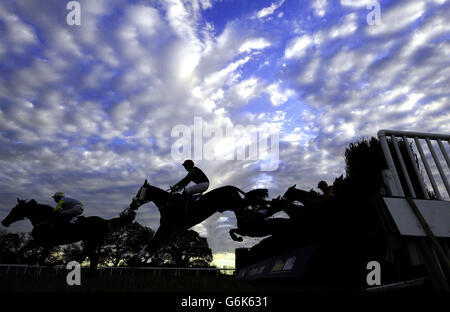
(95, 109)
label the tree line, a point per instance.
(185, 248)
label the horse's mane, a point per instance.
(35, 203)
(156, 188)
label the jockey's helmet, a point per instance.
(322, 185)
(58, 195)
(188, 163)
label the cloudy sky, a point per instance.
(94, 109)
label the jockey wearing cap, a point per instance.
(194, 175)
(67, 208)
(326, 189)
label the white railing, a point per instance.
(393, 179)
(417, 216)
(23, 268)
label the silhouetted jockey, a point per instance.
(326, 189)
(66, 208)
(194, 175)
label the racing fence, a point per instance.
(155, 271)
(418, 193)
(405, 175)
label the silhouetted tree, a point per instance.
(184, 249)
(364, 162)
(65, 253)
(9, 244)
(123, 244)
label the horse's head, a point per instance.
(276, 203)
(279, 204)
(289, 194)
(139, 199)
(19, 212)
(147, 193)
(339, 185)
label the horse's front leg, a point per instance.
(156, 242)
(90, 249)
(84, 253)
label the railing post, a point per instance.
(433, 254)
(438, 165)
(427, 168)
(393, 174)
(403, 167)
(416, 169)
(444, 152)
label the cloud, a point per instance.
(269, 10)
(296, 48)
(347, 27)
(277, 96)
(17, 33)
(254, 44)
(356, 3)
(398, 17)
(319, 7)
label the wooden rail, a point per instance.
(23, 268)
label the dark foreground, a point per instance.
(51, 279)
(104, 281)
(188, 293)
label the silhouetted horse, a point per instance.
(318, 215)
(90, 230)
(305, 198)
(173, 214)
(294, 211)
(255, 222)
(341, 190)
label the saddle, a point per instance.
(53, 225)
(62, 221)
(76, 220)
